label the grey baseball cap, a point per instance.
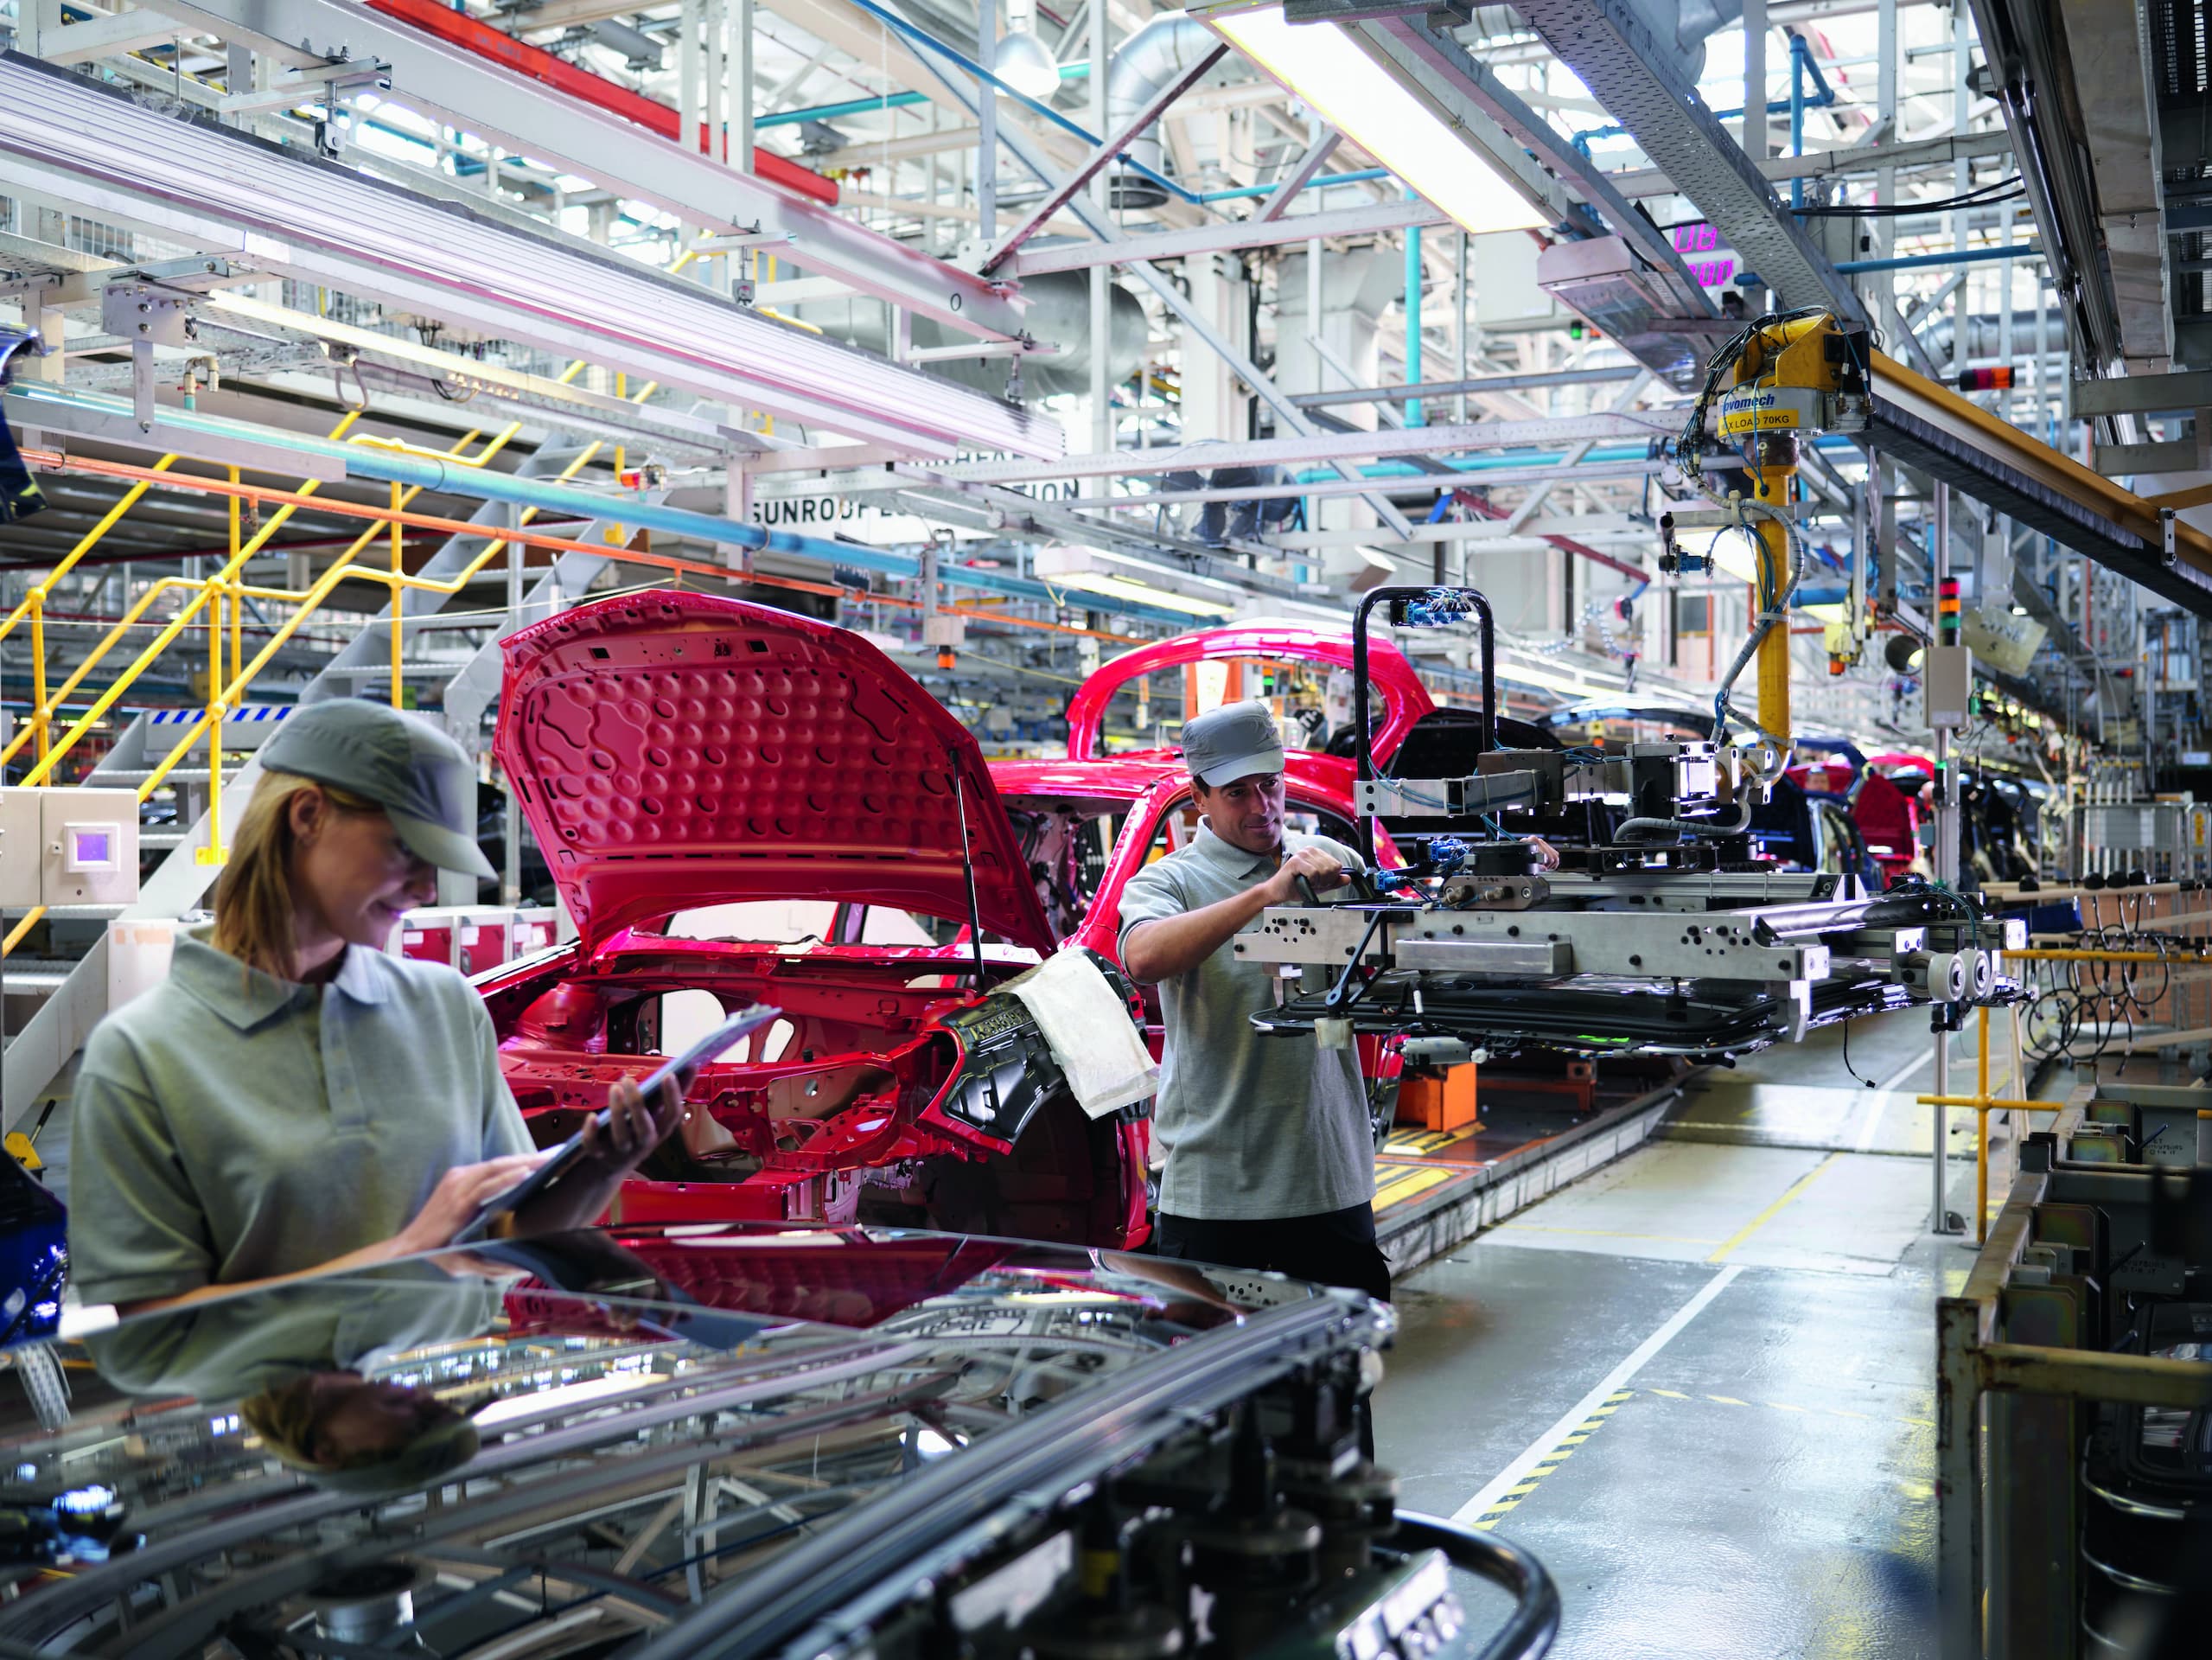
(1233, 741)
(417, 775)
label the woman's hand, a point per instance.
(459, 1193)
(636, 1127)
(580, 1196)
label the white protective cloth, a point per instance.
(1088, 1029)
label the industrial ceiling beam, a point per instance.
(1634, 76)
(961, 86)
(470, 92)
(1367, 219)
(1106, 150)
(1512, 138)
(1330, 449)
(267, 209)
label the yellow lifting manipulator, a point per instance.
(1787, 378)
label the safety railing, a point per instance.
(1982, 1103)
(2022, 1362)
(222, 597)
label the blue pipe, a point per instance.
(1245, 192)
(482, 484)
(1413, 317)
(1965, 257)
(1797, 60)
(863, 105)
(1820, 101)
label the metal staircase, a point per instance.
(37, 1065)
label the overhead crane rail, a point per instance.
(1933, 429)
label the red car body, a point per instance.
(676, 751)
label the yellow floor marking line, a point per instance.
(1596, 1403)
(1728, 1401)
(1796, 1192)
(1502, 1505)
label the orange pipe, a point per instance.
(50, 461)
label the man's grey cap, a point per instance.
(417, 775)
(1233, 741)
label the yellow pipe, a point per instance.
(106, 699)
(16, 933)
(42, 719)
(214, 853)
(398, 597)
(43, 710)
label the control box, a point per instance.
(68, 846)
(1948, 676)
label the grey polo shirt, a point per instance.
(1256, 1126)
(231, 1126)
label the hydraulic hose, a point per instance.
(1777, 613)
(1637, 829)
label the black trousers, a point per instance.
(1336, 1247)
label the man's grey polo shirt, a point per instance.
(231, 1126)
(1256, 1126)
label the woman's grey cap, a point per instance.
(1233, 741)
(421, 778)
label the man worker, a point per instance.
(1270, 1157)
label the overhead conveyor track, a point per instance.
(1933, 429)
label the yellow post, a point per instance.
(1982, 1132)
(237, 600)
(41, 717)
(399, 538)
(1772, 486)
(214, 852)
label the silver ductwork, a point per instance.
(1059, 314)
(1144, 63)
(1986, 334)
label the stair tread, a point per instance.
(19, 980)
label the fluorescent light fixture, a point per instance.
(1123, 588)
(1026, 64)
(1094, 571)
(1545, 679)
(1329, 71)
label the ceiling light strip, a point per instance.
(335, 226)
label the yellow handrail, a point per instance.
(343, 569)
(229, 584)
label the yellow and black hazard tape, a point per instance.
(1552, 1459)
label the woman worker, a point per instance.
(293, 1099)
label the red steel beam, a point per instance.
(459, 29)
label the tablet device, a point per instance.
(747, 1019)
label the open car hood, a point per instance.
(675, 750)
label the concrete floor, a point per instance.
(1699, 1384)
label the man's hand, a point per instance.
(1323, 869)
(1168, 946)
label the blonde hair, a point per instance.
(253, 896)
